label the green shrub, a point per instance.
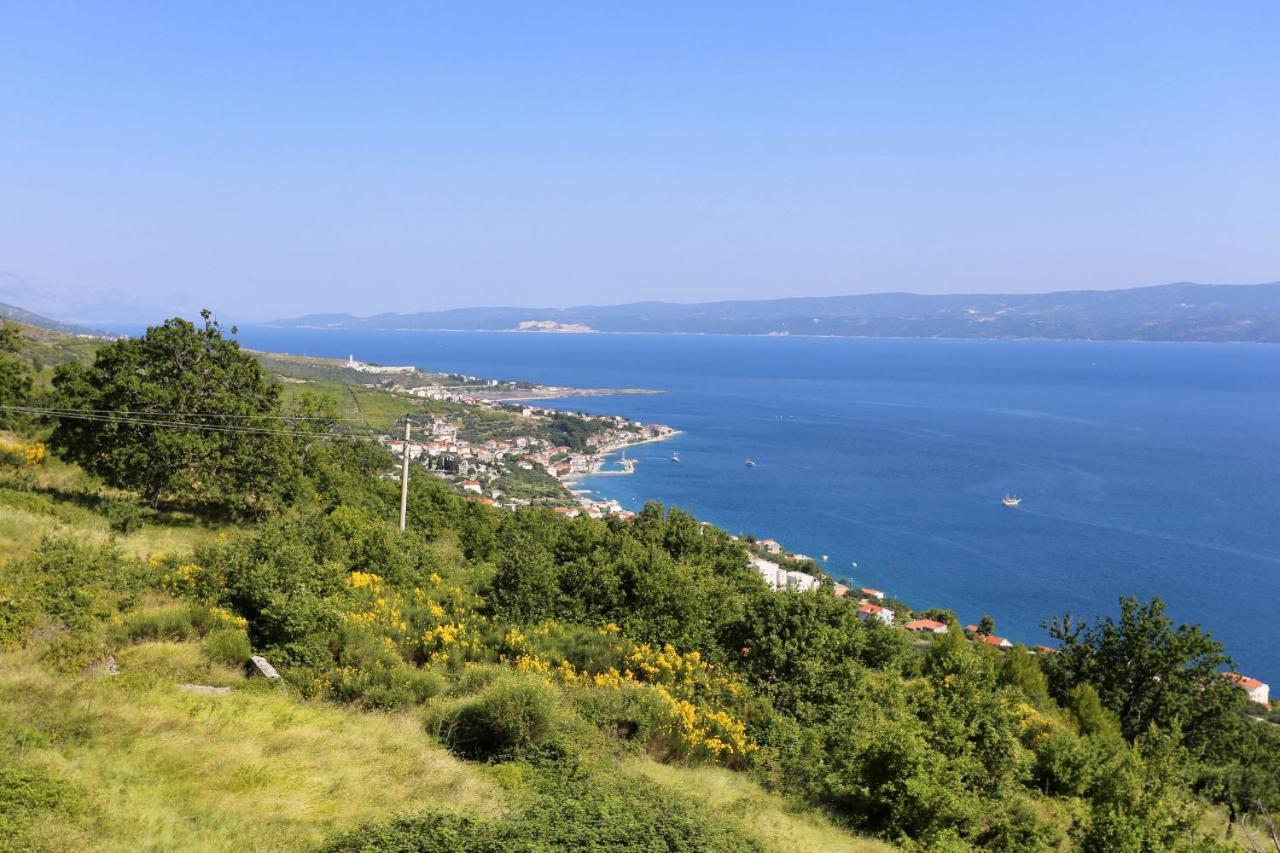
(64, 582)
(474, 679)
(228, 645)
(126, 516)
(27, 795)
(18, 614)
(622, 714)
(172, 622)
(74, 652)
(434, 832)
(508, 719)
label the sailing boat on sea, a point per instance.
(1011, 500)
(675, 457)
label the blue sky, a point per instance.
(273, 159)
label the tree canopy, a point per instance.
(15, 378)
(1148, 672)
(178, 414)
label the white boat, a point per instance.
(751, 463)
(1011, 500)
(825, 558)
(675, 457)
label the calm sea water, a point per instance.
(1144, 469)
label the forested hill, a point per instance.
(1171, 312)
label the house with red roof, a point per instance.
(926, 626)
(471, 486)
(1256, 690)
(993, 640)
(875, 611)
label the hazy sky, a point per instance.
(275, 159)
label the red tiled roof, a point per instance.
(993, 640)
(870, 608)
(1244, 680)
(924, 625)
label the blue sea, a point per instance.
(1144, 469)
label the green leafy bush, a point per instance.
(228, 645)
(126, 516)
(508, 719)
(64, 583)
(28, 795)
(69, 652)
(172, 622)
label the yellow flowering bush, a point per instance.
(182, 579)
(20, 454)
(682, 694)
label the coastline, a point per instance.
(602, 457)
(796, 561)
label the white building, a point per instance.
(779, 578)
(1256, 690)
(875, 611)
(801, 582)
(774, 575)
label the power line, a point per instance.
(42, 409)
(104, 416)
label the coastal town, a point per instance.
(542, 456)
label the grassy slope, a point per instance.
(159, 768)
(63, 502)
(140, 764)
(775, 823)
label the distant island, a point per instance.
(1170, 312)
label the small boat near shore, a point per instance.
(1011, 500)
(675, 457)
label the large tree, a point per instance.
(15, 378)
(1148, 672)
(180, 414)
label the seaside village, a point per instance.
(480, 468)
(529, 469)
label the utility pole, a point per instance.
(404, 476)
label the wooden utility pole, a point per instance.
(404, 477)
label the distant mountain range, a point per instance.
(1170, 312)
(22, 315)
